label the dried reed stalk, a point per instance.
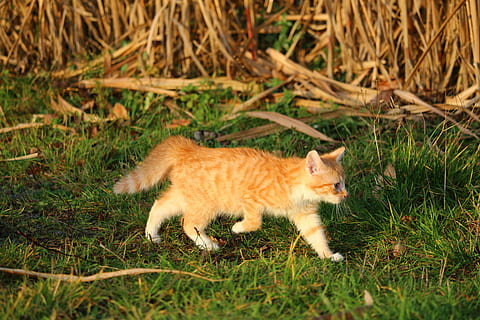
(427, 48)
(410, 45)
(169, 87)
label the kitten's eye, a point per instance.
(337, 186)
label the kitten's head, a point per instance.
(325, 180)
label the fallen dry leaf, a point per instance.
(398, 249)
(88, 105)
(178, 123)
(390, 172)
(118, 112)
(407, 219)
(290, 123)
(387, 179)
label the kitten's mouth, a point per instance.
(343, 195)
(340, 198)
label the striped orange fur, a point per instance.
(241, 182)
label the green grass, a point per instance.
(412, 242)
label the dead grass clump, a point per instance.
(405, 44)
(381, 50)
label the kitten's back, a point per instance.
(227, 177)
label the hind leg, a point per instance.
(252, 219)
(165, 207)
(194, 226)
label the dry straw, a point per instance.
(427, 48)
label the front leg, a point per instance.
(313, 231)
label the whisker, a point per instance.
(341, 210)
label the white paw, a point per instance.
(336, 257)
(238, 227)
(153, 237)
(213, 246)
(207, 244)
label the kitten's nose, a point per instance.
(345, 194)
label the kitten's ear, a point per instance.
(336, 154)
(313, 162)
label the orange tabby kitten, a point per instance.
(242, 182)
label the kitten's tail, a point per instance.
(156, 166)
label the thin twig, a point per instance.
(244, 106)
(101, 275)
(21, 126)
(25, 157)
